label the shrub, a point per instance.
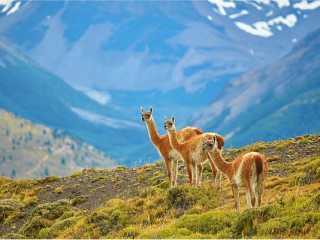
(293, 224)
(76, 174)
(31, 228)
(78, 200)
(274, 226)
(129, 232)
(99, 178)
(246, 224)
(51, 211)
(208, 223)
(10, 208)
(48, 179)
(299, 179)
(120, 168)
(52, 232)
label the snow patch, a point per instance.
(6, 3)
(305, 5)
(268, 14)
(210, 18)
(294, 40)
(282, 3)
(221, 4)
(103, 120)
(290, 20)
(259, 28)
(15, 8)
(236, 15)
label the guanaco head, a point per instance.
(209, 144)
(169, 124)
(146, 116)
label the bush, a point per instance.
(78, 200)
(181, 197)
(31, 228)
(130, 232)
(48, 179)
(98, 178)
(51, 211)
(281, 227)
(10, 208)
(208, 223)
(52, 232)
(76, 174)
(246, 224)
(299, 179)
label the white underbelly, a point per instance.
(175, 155)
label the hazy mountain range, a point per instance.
(231, 67)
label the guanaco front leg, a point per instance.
(235, 192)
(199, 166)
(174, 172)
(167, 161)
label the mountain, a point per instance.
(33, 93)
(277, 101)
(30, 150)
(133, 45)
(116, 56)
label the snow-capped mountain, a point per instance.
(155, 45)
(275, 102)
(119, 55)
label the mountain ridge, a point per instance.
(257, 89)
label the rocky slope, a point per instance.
(88, 203)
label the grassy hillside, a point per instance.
(136, 202)
(29, 150)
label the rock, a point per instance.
(299, 138)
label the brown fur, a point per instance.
(240, 172)
(191, 153)
(163, 145)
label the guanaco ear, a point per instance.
(165, 118)
(150, 109)
(214, 138)
(142, 110)
(204, 138)
(172, 119)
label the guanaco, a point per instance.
(170, 155)
(191, 153)
(250, 170)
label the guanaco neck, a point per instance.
(153, 132)
(173, 139)
(219, 161)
